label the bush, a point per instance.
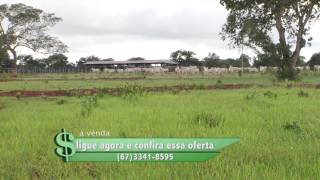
(128, 91)
(251, 96)
(201, 87)
(122, 134)
(294, 126)
(219, 84)
(209, 120)
(287, 74)
(88, 104)
(303, 94)
(101, 93)
(61, 101)
(175, 91)
(270, 94)
(18, 95)
(74, 92)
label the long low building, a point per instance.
(130, 64)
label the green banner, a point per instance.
(141, 157)
(138, 149)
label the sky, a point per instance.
(152, 29)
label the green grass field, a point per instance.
(278, 127)
(104, 80)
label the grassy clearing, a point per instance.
(280, 138)
(150, 81)
(93, 80)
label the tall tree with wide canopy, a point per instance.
(26, 26)
(29, 62)
(56, 61)
(184, 58)
(251, 23)
(83, 60)
(212, 60)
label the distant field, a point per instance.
(278, 129)
(104, 80)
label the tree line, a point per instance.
(187, 58)
(181, 57)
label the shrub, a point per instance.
(201, 87)
(18, 95)
(270, 94)
(219, 84)
(128, 91)
(88, 104)
(61, 101)
(101, 94)
(251, 96)
(294, 126)
(123, 134)
(303, 94)
(287, 74)
(209, 120)
(175, 91)
(74, 92)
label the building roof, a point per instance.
(130, 62)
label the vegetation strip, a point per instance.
(117, 91)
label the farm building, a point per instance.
(130, 64)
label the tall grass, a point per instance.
(270, 147)
(85, 81)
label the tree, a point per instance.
(185, 58)
(301, 61)
(136, 59)
(244, 60)
(229, 62)
(270, 60)
(83, 60)
(212, 60)
(29, 62)
(314, 60)
(251, 23)
(267, 60)
(28, 27)
(57, 61)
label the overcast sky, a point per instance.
(152, 29)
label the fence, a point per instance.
(26, 70)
